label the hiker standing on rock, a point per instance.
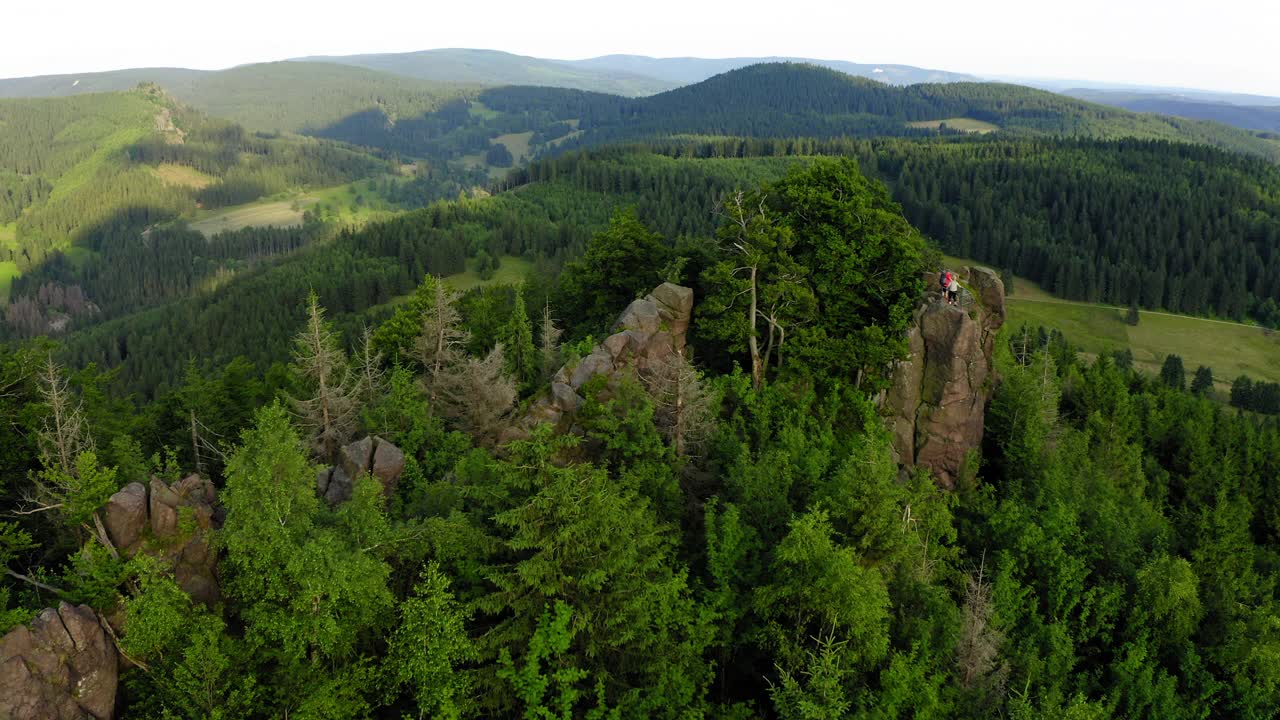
(953, 291)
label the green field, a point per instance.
(512, 270)
(968, 125)
(8, 271)
(182, 176)
(280, 213)
(517, 143)
(1229, 348)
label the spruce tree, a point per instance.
(1203, 380)
(1172, 373)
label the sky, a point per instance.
(1222, 45)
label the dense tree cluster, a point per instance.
(1256, 395)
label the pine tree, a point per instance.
(329, 413)
(368, 368)
(521, 355)
(1131, 317)
(477, 394)
(685, 409)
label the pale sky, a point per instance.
(1225, 45)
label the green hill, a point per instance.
(90, 186)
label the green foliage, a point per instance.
(521, 355)
(1172, 373)
(429, 645)
(555, 696)
(307, 584)
(610, 274)
(578, 536)
(1203, 380)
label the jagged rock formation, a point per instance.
(937, 402)
(371, 455)
(171, 522)
(62, 666)
(646, 336)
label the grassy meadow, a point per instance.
(512, 270)
(968, 125)
(1229, 348)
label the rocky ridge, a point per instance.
(646, 335)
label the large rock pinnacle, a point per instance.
(937, 402)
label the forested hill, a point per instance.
(461, 516)
(788, 99)
(768, 100)
(685, 70)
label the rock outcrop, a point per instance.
(646, 335)
(61, 666)
(370, 455)
(173, 523)
(937, 402)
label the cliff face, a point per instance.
(937, 402)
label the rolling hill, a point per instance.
(491, 67)
(791, 99)
(279, 96)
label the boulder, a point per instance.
(387, 465)
(164, 509)
(126, 516)
(356, 457)
(62, 666)
(340, 485)
(599, 362)
(367, 456)
(640, 315)
(648, 333)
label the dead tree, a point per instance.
(550, 344)
(477, 394)
(329, 415)
(441, 343)
(685, 409)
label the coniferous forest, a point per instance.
(309, 472)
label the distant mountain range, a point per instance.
(313, 93)
(1264, 118)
